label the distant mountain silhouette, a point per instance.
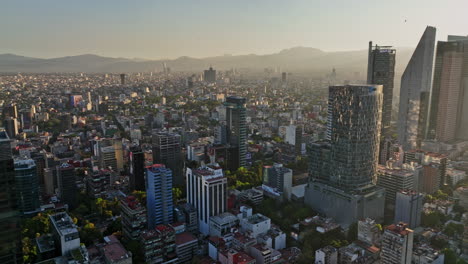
(294, 59)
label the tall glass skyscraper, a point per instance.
(343, 169)
(159, 199)
(381, 70)
(27, 185)
(167, 151)
(415, 93)
(9, 221)
(449, 101)
(236, 131)
(355, 130)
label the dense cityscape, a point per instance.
(239, 166)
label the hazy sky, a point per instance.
(200, 28)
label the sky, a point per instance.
(167, 29)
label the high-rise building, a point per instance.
(209, 75)
(10, 111)
(9, 221)
(408, 208)
(134, 219)
(159, 202)
(207, 192)
(381, 70)
(66, 182)
(449, 101)
(394, 180)
(107, 158)
(27, 186)
(346, 190)
(122, 78)
(278, 180)
(397, 244)
(137, 169)
(167, 151)
(415, 93)
(11, 126)
(236, 128)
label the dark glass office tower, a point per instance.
(66, 181)
(343, 169)
(26, 182)
(167, 151)
(236, 128)
(137, 169)
(381, 70)
(9, 215)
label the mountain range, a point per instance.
(303, 59)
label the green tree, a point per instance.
(450, 256)
(452, 228)
(352, 232)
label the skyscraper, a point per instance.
(207, 193)
(415, 93)
(9, 222)
(167, 151)
(11, 126)
(381, 70)
(159, 200)
(449, 101)
(122, 78)
(137, 169)
(236, 128)
(355, 134)
(66, 182)
(209, 75)
(346, 190)
(27, 186)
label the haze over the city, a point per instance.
(169, 29)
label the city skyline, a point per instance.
(167, 30)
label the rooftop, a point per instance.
(184, 238)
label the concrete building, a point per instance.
(133, 217)
(187, 214)
(159, 200)
(277, 180)
(186, 247)
(394, 180)
(424, 254)
(397, 244)
(408, 208)
(159, 245)
(261, 254)
(207, 193)
(369, 232)
(415, 92)
(220, 225)
(326, 255)
(65, 232)
(256, 224)
(209, 75)
(347, 191)
(98, 182)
